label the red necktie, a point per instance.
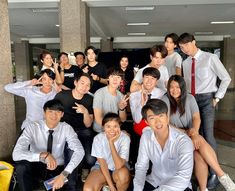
(193, 77)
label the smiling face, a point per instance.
(189, 48)
(124, 62)
(112, 129)
(47, 60)
(83, 85)
(64, 59)
(80, 60)
(157, 122)
(46, 81)
(91, 56)
(149, 82)
(52, 117)
(175, 90)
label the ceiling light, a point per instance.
(140, 8)
(57, 25)
(222, 22)
(44, 10)
(137, 24)
(136, 33)
(203, 32)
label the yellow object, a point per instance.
(6, 171)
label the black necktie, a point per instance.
(149, 97)
(50, 141)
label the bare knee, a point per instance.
(122, 176)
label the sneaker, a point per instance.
(84, 175)
(106, 188)
(227, 183)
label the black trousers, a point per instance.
(28, 175)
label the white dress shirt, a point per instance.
(172, 61)
(172, 166)
(135, 102)
(162, 81)
(207, 68)
(34, 98)
(36, 135)
(101, 148)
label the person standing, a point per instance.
(173, 60)
(201, 70)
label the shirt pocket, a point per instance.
(202, 73)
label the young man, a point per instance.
(35, 92)
(78, 113)
(80, 59)
(109, 99)
(201, 70)
(45, 158)
(173, 60)
(169, 150)
(157, 55)
(96, 70)
(148, 91)
(68, 71)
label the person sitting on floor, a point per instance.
(184, 115)
(45, 158)
(169, 150)
(111, 148)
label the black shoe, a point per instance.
(212, 182)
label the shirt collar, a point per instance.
(197, 55)
(46, 128)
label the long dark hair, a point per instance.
(182, 99)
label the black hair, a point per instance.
(159, 48)
(63, 53)
(116, 72)
(49, 72)
(92, 48)
(182, 99)
(111, 117)
(44, 53)
(53, 104)
(157, 106)
(173, 36)
(185, 38)
(77, 77)
(150, 71)
(79, 53)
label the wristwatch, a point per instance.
(217, 100)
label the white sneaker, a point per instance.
(227, 183)
(106, 188)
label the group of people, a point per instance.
(75, 116)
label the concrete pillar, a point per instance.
(227, 105)
(106, 45)
(22, 61)
(74, 25)
(7, 112)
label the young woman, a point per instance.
(184, 115)
(111, 148)
(46, 59)
(128, 75)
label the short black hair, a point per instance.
(173, 36)
(150, 71)
(115, 71)
(49, 72)
(159, 48)
(63, 53)
(77, 77)
(157, 106)
(79, 53)
(92, 48)
(54, 104)
(185, 38)
(111, 117)
(44, 53)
